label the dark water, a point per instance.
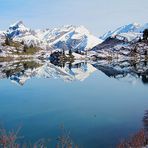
(98, 111)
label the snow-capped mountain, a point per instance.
(71, 37)
(17, 29)
(19, 32)
(66, 37)
(127, 32)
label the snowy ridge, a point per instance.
(17, 29)
(67, 37)
(129, 32)
(70, 37)
(19, 32)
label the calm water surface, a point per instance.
(98, 112)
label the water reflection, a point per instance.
(91, 110)
(129, 70)
(20, 71)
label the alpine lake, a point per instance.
(91, 104)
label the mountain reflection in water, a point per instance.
(20, 71)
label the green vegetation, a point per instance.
(30, 50)
(66, 58)
(21, 47)
(15, 44)
(27, 50)
(30, 64)
(20, 67)
(6, 59)
(10, 42)
(58, 56)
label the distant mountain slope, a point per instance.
(127, 32)
(108, 43)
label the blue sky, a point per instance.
(98, 16)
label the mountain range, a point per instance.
(67, 37)
(76, 38)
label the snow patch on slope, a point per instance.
(129, 32)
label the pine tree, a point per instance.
(135, 50)
(139, 40)
(145, 52)
(22, 42)
(70, 52)
(145, 34)
(25, 48)
(7, 40)
(63, 52)
(31, 46)
(17, 50)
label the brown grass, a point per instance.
(138, 140)
(11, 140)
